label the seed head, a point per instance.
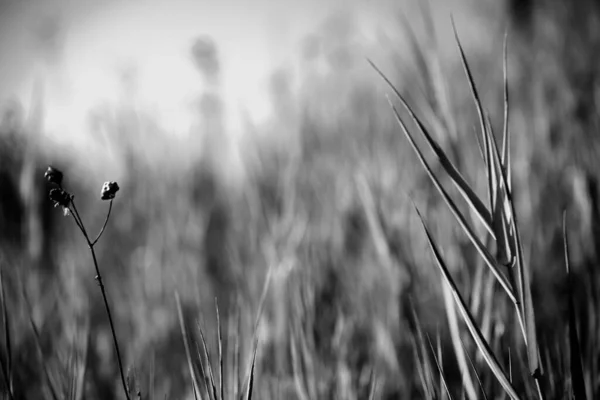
(53, 175)
(109, 190)
(61, 198)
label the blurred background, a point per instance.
(248, 135)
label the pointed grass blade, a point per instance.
(480, 341)
(220, 350)
(468, 384)
(195, 386)
(440, 370)
(506, 131)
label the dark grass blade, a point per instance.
(6, 365)
(480, 112)
(203, 373)
(251, 375)
(261, 304)
(475, 370)
(440, 370)
(236, 351)
(211, 375)
(506, 131)
(238, 380)
(482, 344)
(577, 377)
(527, 306)
(463, 187)
(220, 344)
(481, 249)
(472, 86)
(510, 371)
(499, 221)
(195, 385)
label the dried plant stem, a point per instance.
(98, 278)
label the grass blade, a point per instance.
(195, 387)
(475, 370)
(6, 366)
(220, 341)
(577, 377)
(529, 314)
(482, 344)
(440, 370)
(211, 375)
(251, 375)
(468, 384)
(506, 131)
(236, 351)
(472, 86)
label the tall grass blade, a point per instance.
(468, 384)
(195, 385)
(261, 304)
(440, 370)
(577, 377)
(6, 365)
(209, 368)
(236, 352)
(475, 370)
(482, 344)
(251, 375)
(529, 315)
(472, 86)
(506, 130)
(203, 373)
(220, 344)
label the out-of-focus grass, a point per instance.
(325, 206)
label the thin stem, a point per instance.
(110, 321)
(103, 226)
(80, 222)
(76, 219)
(98, 278)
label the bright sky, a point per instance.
(100, 39)
(154, 37)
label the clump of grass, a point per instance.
(508, 265)
(206, 383)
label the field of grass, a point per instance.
(422, 224)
